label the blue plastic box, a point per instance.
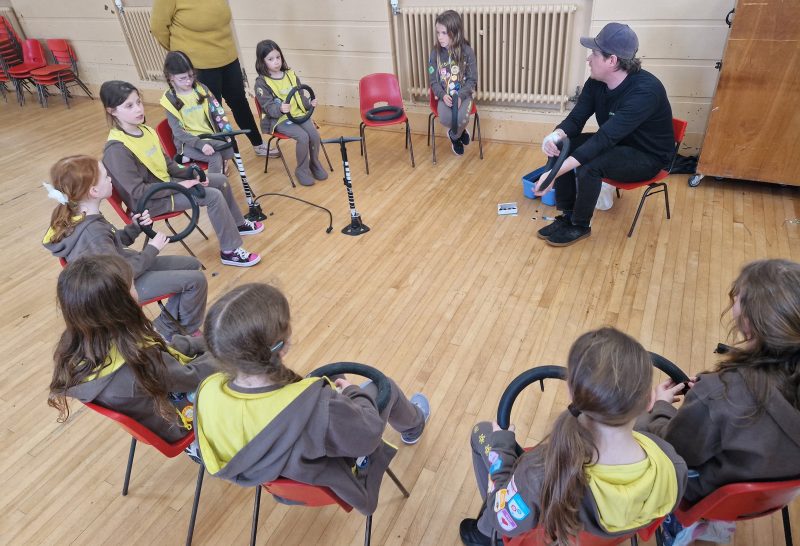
(529, 181)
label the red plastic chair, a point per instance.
(121, 208)
(740, 501)
(476, 124)
(375, 89)
(679, 131)
(311, 495)
(143, 434)
(10, 42)
(32, 58)
(3, 88)
(61, 74)
(164, 132)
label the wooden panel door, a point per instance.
(754, 127)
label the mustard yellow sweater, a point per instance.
(199, 28)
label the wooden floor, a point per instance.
(443, 295)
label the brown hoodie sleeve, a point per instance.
(99, 239)
(187, 377)
(354, 426)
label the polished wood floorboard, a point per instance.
(442, 294)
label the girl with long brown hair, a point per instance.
(593, 473)
(80, 184)
(453, 76)
(258, 419)
(110, 354)
(741, 422)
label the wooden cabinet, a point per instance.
(754, 127)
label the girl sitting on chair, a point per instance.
(275, 81)
(258, 420)
(135, 161)
(78, 228)
(193, 110)
(593, 473)
(741, 422)
(110, 354)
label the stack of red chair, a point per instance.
(61, 74)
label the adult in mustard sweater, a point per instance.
(202, 30)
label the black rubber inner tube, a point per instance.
(384, 113)
(288, 101)
(223, 136)
(540, 373)
(554, 163)
(377, 377)
(159, 187)
(198, 189)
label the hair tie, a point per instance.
(573, 410)
(277, 347)
(55, 194)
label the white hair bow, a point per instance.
(55, 194)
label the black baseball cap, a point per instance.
(615, 39)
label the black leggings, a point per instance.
(578, 195)
(226, 83)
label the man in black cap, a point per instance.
(634, 141)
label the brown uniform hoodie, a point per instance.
(715, 433)
(121, 392)
(304, 431)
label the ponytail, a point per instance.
(570, 447)
(72, 177)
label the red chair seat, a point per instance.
(308, 495)
(370, 123)
(51, 70)
(23, 70)
(433, 103)
(165, 137)
(662, 174)
(377, 89)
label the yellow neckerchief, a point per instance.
(146, 148)
(630, 496)
(228, 419)
(199, 92)
(445, 73)
(281, 92)
(77, 219)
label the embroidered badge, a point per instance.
(474, 430)
(495, 465)
(519, 510)
(500, 500)
(481, 438)
(260, 91)
(454, 78)
(490, 486)
(454, 70)
(505, 521)
(512, 488)
(430, 70)
(452, 85)
(443, 72)
(487, 449)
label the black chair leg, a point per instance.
(129, 468)
(635, 540)
(397, 482)
(328, 159)
(198, 228)
(256, 507)
(195, 504)
(787, 526)
(368, 531)
(182, 242)
(430, 116)
(638, 211)
(283, 160)
(477, 123)
(666, 199)
(410, 143)
(432, 129)
(361, 134)
(364, 146)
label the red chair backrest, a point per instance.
(737, 501)
(679, 129)
(142, 433)
(62, 52)
(119, 206)
(164, 133)
(305, 494)
(537, 538)
(33, 52)
(63, 262)
(380, 87)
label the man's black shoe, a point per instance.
(550, 229)
(568, 234)
(471, 536)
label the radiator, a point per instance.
(522, 51)
(148, 55)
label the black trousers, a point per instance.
(577, 191)
(226, 83)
